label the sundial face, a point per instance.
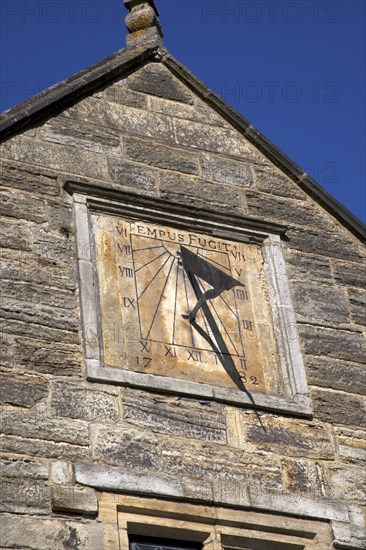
(184, 305)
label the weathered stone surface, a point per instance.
(308, 268)
(34, 179)
(351, 445)
(61, 473)
(339, 408)
(21, 266)
(42, 315)
(226, 170)
(23, 468)
(38, 294)
(126, 448)
(23, 391)
(340, 344)
(302, 476)
(126, 119)
(339, 375)
(61, 219)
(38, 332)
(43, 534)
(175, 415)
(319, 242)
(222, 140)
(286, 211)
(347, 484)
(15, 235)
(211, 461)
(90, 137)
(120, 93)
(270, 180)
(43, 448)
(24, 495)
(161, 156)
(6, 350)
(80, 500)
(156, 80)
(16, 205)
(132, 175)
(72, 401)
(190, 191)
(357, 300)
(64, 158)
(48, 358)
(321, 302)
(54, 246)
(350, 274)
(39, 426)
(293, 438)
(199, 111)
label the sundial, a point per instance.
(183, 304)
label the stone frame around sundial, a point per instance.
(281, 381)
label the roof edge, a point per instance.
(271, 151)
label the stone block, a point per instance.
(21, 266)
(34, 179)
(175, 415)
(63, 158)
(339, 408)
(347, 483)
(38, 294)
(27, 496)
(339, 344)
(23, 468)
(226, 170)
(132, 175)
(157, 80)
(329, 244)
(43, 448)
(349, 274)
(126, 448)
(54, 246)
(38, 332)
(198, 112)
(225, 141)
(61, 219)
(42, 357)
(120, 93)
(215, 462)
(195, 192)
(161, 156)
(16, 205)
(123, 118)
(21, 390)
(357, 300)
(61, 473)
(336, 374)
(286, 211)
(295, 438)
(72, 401)
(66, 131)
(302, 477)
(6, 350)
(351, 445)
(15, 235)
(324, 303)
(308, 268)
(39, 314)
(75, 500)
(35, 533)
(39, 426)
(270, 180)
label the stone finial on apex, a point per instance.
(142, 23)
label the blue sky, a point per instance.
(294, 69)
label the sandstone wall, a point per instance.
(149, 134)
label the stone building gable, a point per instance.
(66, 439)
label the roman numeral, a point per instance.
(127, 302)
(124, 249)
(169, 352)
(242, 294)
(194, 356)
(126, 271)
